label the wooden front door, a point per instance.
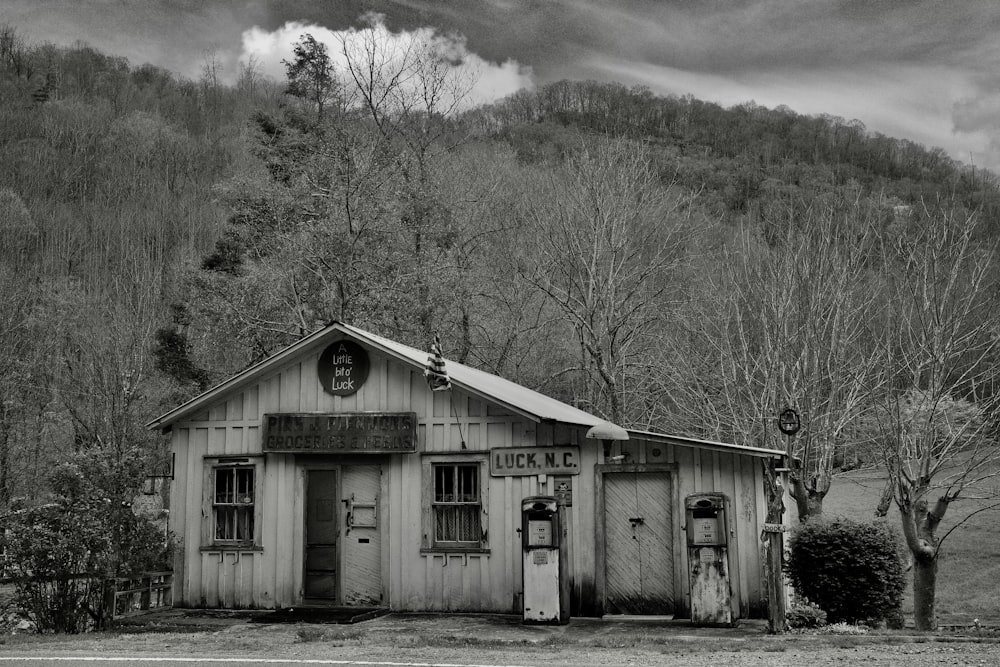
(638, 543)
(322, 534)
(362, 547)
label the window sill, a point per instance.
(454, 550)
(230, 548)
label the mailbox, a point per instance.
(545, 588)
(708, 558)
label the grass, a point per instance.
(969, 565)
(334, 636)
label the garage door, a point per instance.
(638, 543)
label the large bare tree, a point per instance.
(604, 237)
(784, 322)
(938, 421)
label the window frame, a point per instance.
(209, 539)
(429, 542)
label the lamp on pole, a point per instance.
(789, 422)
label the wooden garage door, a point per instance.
(638, 543)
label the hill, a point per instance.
(664, 262)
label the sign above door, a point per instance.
(341, 433)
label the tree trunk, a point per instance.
(4, 467)
(919, 526)
(924, 587)
(808, 499)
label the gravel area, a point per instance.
(503, 640)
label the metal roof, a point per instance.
(705, 444)
(489, 387)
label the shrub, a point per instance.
(850, 569)
(63, 550)
(805, 614)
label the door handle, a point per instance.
(636, 521)
(349, 515)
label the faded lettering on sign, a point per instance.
(348, 433)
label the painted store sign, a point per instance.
(344, 433)
(515, 461)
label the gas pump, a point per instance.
(708, 558)
(546, 594)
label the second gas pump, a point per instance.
(545, 586)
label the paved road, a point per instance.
(151, 661)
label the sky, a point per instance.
(927, 71)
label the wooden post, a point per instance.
(144, 595)
(108, 611)
(774, 550)
(775, 575)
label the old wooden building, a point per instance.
(331, 472)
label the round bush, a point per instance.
(851, 570)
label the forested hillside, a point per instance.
(663, 261)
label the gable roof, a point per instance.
(489, 387)
(486, 386)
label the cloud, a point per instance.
(977, 121)
(921, 69)
(898, 100)
(978, 113)
(488, 81)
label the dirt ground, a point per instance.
(503, 640)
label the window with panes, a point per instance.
(457, 505)
(233, 504)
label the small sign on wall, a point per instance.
(564, 491)
(518, 461)
(343, 368)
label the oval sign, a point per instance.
(343, 368)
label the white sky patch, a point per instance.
(898, 101)
(488, 81)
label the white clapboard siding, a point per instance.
(447, 422)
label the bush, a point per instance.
(805, 614)
(64, 550)
(851, 570)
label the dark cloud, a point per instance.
(919, 66)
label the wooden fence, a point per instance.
(122, 596)
(128, 596)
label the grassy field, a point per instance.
(969, 569)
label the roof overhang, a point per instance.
(731, 448)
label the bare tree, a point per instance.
(410, 88)
(604, 235)
(938, 422)
(784, 323)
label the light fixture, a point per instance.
(788, 422)
(607, 431)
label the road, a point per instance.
(148, 661)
